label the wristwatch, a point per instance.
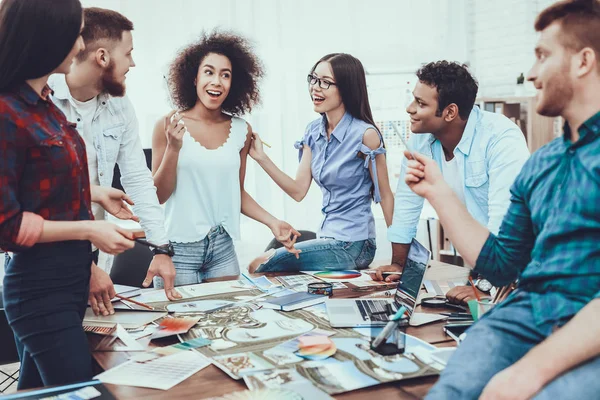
(166, 249)
(484, 285)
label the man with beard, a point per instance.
(92, 95)
(543, 341)
(480, 152)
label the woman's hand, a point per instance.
(286, 235)
(257, 151)
(113, 201)
(108, 237)
(174, 130)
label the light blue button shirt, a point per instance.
(343, 177)
(491, 153)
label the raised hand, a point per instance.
(423, 176)
(174, 130)
(257, 151)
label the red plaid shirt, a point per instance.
(43, 168)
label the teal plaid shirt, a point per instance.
(550, 236)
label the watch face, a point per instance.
(484, 285)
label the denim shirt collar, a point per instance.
(466, 142)
(62, 92)
(339, 132)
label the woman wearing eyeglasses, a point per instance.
(344, 153)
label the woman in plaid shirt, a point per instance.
(45, 217)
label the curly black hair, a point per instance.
(454, 84)
(247, 70)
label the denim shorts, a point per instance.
(322, 254)
(212, 257)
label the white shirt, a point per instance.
(86, 112)
(454, 176)
(207, 192)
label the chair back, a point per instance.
(131, 266)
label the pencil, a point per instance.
(499, 293)
(474, 289)
(265, 143)
(134, 302)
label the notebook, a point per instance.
(294, 301)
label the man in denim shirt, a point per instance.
(543, 341)
(93, 96)
(480, 152)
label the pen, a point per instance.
(403, 141)
(385, 333)
(134, 302)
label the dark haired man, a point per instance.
(93, 96)
(481, 153)
(543, 341)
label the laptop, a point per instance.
(354, 313)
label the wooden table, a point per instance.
(212, 382)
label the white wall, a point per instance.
(502, 42)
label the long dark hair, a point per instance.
(35, 37)
(350, 80)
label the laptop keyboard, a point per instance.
(374, 310)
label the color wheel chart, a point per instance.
(339, 275)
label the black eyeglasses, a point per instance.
(322, 84)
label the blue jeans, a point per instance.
(45, 297)
(213, 257)
(322, 254)
(497, 341)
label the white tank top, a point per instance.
(207, 193)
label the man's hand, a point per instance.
(162, 266)
(286, 235)
(463, 294)
(379, 276)
(114, 201)
(101, 292)
(513, 383)
(423, 176)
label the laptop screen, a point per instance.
(408, 288)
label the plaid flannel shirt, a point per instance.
(550, 236)
(43, 168)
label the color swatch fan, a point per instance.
(315, 348)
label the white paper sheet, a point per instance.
(162, 373)
(191, 291)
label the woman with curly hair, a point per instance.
(199, 157)
(343, 152)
